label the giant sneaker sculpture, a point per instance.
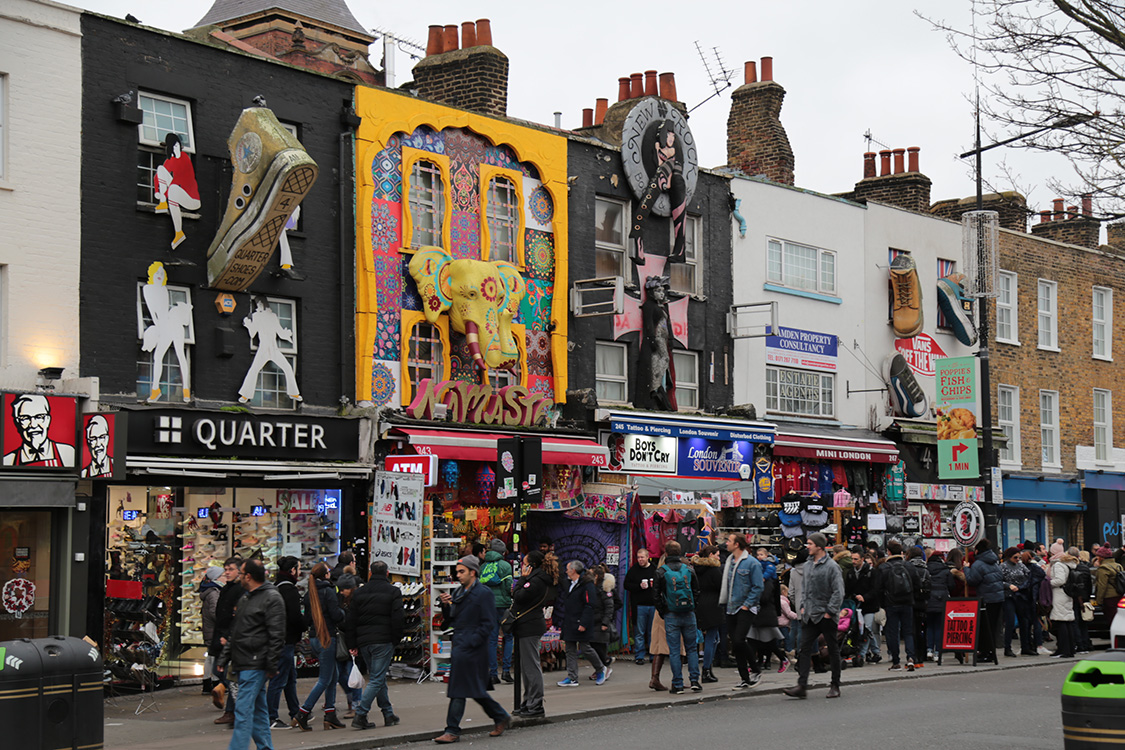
(957, 308)
(272, 174)
(906, 307)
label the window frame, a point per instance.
(820, 256)
(409, 319)
(776, 398)
(622, 380)
(623, 249)
(1051, 316)
(1014, 460)
(695, 386)
(1051, 428)
(693, 229)
(1012, 306)
(488, 173)
(289, 349)
(1106, 323)
(411, 156)
(1106, 425)
(172, 100)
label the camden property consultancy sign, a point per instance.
(807, 350)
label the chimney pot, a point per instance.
(899, 154)
(668, 86)
(1058, 209)
(869, 164)
(484, 32)
(650, 83)
(912, 159)
(622, 89)
(751, 72)
(600, 107)
(468, 34)
(1087, 205)
(884, 162)
(767, 68)
(587, 117)
(636, 85)
(451, 37)
(1072, 212)
(1044, 217)
(435, 44)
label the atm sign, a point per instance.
(425, 465)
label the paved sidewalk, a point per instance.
(183, 719)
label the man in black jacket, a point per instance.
(251, 654)
(894, 587)
(288, 572)
(640, 582)
(224, 618)
(374, 624)
(345, 559)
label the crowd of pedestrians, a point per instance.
(826, 608)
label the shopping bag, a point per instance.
(355, 677)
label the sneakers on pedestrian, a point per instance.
(895, 666)
(906, 305)
(696, 687)
(567, 683)
(272, 174)
(755, 678)
(909, 667)
(279, 724)
(907, 396)
(742, 686)
(957, 308)
(602, 676)
(676, 690)
(783, 666)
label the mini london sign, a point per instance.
(511, 406)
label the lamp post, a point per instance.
(980, 243)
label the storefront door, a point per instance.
(25, 574)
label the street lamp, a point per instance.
(980, 243)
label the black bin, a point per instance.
(51, 690)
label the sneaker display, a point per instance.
(907, 397)
(906, 307)
(957, 308)
(272, 174)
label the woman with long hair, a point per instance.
(535, 589)
(323, 615)
(708, 611)
(605, 614)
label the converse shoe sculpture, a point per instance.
(907, 396)
(272, 174)
(906, 308)
(957, 308)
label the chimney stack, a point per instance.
(1087, 205)
(750, 72)
(600, 107)
(472, 77)
(636, 86)
(668, 87)
(1011, 206)
(1115, 235)
(650, 83)
(904, 186)
(869, 164)
(912, 158)
(623, 89)
(1068, 225)
(885, 162)
(756, 140)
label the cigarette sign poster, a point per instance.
(957, 418)
(396, 522)
(960, 625)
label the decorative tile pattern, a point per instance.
(426, 139)
(464, 234)
(539, 253)
(466, 196)
(386, 171)
(535, 308)
(541, 385)
(388, 272)
(540, 206)
(384, 383)
(385, 223)
(503, 156)
(411, 300)
(387, 334)
(538, 353)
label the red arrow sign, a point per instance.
(958, 450)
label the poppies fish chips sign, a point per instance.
(957, 418)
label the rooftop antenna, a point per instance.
(392, 40)
(872, 139)
(720, 81)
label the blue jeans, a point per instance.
(509, 642)
(645, 613)
(935, 622)
(710, 644)
(900, 622)
(378, 658)
(870, 639)
(285, 680)
(326, 679)
(251, 718)
(677, 625)
(456, 710)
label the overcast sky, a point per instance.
(848, 68)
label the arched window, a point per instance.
(427, 204)
(503, 219)
(424, 354)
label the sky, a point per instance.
(865, 66)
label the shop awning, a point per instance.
(469, 445)
(827, 444)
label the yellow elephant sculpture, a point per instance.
(482, 297)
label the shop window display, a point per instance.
(25, 574)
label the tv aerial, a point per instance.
(719, 76)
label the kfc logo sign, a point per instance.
(424, 465)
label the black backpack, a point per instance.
(925, 584)
(899, 585)
(1119, 581)
(1073, 585)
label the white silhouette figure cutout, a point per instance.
(169, 326)
(264, 324)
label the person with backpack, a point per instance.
(941, 582)
(578, 606)
(677, 591)
(1109, 583)
(1063, 585)
(740, 593)
(821, 597)
(496, 574)
(1017, 600)
(895, 588)
(920, 577)
(985, 575)
(1084, 591)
